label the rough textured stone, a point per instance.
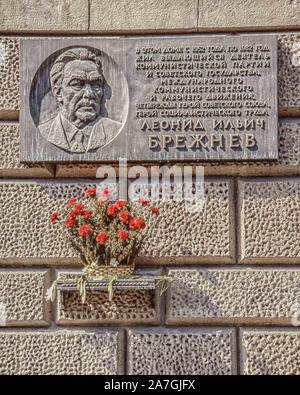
(23, 297)
(59, 353)
(10, 165)
(43, 15)
(272, 352)
(289, 143)
(143, 15)
(289, 73)
(269, 215)
(206, 235)
(9, 77)
(181, 351)
(25, 212)
(244, 296)
(288, 163)
(249, 14)
(127, 307)
(25, 208)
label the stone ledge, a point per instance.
(268, 214)
(128, 307)
(146, 16)
(226, 15)
(143, 16)
(232, 296)
(23, 298)
(61, 352)
(188, 351)
(44, 16)
(270, 352)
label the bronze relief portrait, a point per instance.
(76, 111)
(77, 84)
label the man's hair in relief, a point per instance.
(57, 70)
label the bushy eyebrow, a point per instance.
(83, 77)
(99, 78)
(75, 74)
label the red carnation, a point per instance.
(54, 217)
(84, 230)
(132, 223)
(144, 201)
(70, 221)
(120, 203)
(124, 216)
(72, 214)
(71, 202)
(140, 223)
(102, 237)
(79, 208)
(154, 209)
(102, 199)
(122, 234)
(86, 214)
(137, 223)
(90, 192)
(106, 191)
(112, 209)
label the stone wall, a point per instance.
(235, 304)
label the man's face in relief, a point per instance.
(81, 92)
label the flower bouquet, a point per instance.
(106, 235)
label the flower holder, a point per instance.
(102, 284)
(83, 283)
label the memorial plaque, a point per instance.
(167, 98)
